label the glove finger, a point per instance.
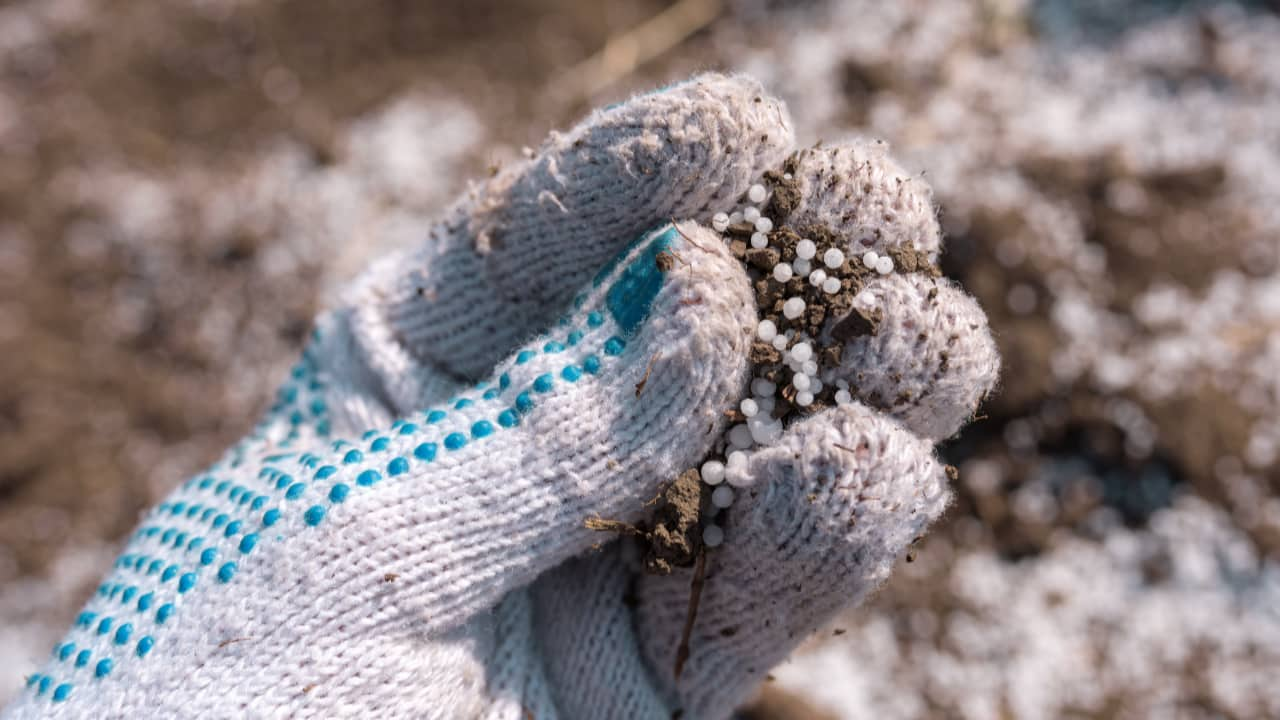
(920, 350)
(508, 256)
(467, 502)
(857, 189)
(910, 343)
(833, 504)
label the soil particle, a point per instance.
(763, 258)
(857, 323)
(768, 293)
(814, 315)
(831, 355)
(784, 237)
(912, 260)
(675, 538)
(786, 192)
(762, 353)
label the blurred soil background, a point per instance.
(183, 183)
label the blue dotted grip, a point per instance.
(631, 297)
(138, 604)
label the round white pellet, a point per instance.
(735, 217)
(759, 240)
(817, 277)
(740, 437)
(722, 496)
(764, 224)
(788, 177)
(780, 342)
(809, 367)
(756, 193)
(763, 388)
(843, 397)
(806, 249)
(749, 407)
(801, 266)
(736, 461)
(867, 298)
(782, 272)
(793, 308)
(831, 286)
(884, 265)
(833, 258)
(815, 387)
(803, 399)
(766, 407)
(720, 221)
(802, 351)
(801, 381)
(869, 259)
(712, 472)
(767, 433)
(712, 536)
(751, 214)
(766, 330)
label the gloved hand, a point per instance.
(440, 564)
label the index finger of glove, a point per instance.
(906, 341)
(509, 255)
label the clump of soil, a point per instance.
(673, 537)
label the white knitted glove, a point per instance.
(439, 564)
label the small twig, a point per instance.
(849, 450)
(616, 526)
(232, 641)
(647, 370)
(686, 237)
(625, 52)
(695, 597)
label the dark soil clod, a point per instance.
(857, 323)
(674, 535)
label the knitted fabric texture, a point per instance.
(404, 534)
(916, 366)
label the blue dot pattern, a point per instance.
(631, 296)
(211, 526)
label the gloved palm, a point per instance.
(440, 564)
